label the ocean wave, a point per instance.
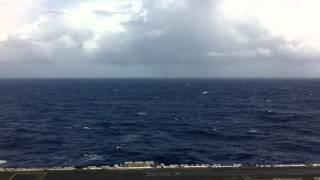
(228, 123)
(92, 157)
(142, 113)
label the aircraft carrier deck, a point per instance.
(141, 171)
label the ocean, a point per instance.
(79, 122)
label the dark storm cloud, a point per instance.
(163, 36)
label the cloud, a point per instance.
(171, 36)
(153, 38)
(105, 13)
(13, 49)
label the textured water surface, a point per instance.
(65, 122)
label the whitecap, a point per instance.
(86, 127)
(142, 113)
(129, 138)
(253, 131)
(3, 161)
(204, 92)
(59, 157)
(92, 157)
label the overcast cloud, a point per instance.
(151, 38)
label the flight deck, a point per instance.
(177, 172)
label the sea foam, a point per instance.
(3, 161)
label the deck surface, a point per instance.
(303, 173)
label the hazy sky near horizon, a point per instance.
(159, 38)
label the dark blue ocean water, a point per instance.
(67, 122)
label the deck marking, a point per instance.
(12, 176)
(42, 174)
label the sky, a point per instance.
(159, 38)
